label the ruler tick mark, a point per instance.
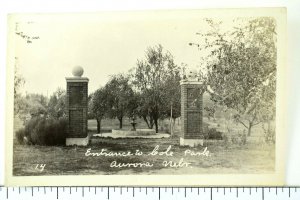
(82, 191)
(211, 196)
(237, 192)
(289, 192)
(6, 193)
(56, 192)
(263, 193)
(107, 192)
(19, 190)
(159, 193)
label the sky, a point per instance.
(103, 44)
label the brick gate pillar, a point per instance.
(191, 113)
(77, 108)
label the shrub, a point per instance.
(20, 134)
(213, 134)
(269, 133)
(44, 131)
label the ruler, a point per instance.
(153, 193)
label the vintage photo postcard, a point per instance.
(152, 98)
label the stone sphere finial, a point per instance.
(77, 71)
(192, 75)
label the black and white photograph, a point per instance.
(195, 93)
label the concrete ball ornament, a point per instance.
(77, 71)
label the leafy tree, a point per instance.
(157, 80)
(242, 69)
(98, 106)
(19, 81)
(36, 104)
(57, 104)
(121, 98)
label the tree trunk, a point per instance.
(98, 125)
(249, 129)
(151, 122)
(121, 122)
(145, 119)
(156, 125)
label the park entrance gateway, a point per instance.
(77, 108)
(191, 113)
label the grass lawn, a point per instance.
(224, 158)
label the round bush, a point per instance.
(44, 131)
